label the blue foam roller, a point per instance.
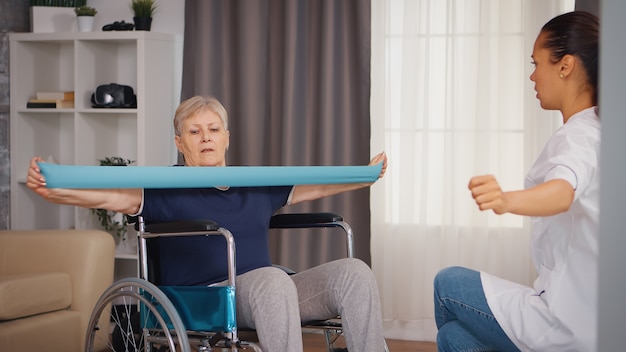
(92, 177)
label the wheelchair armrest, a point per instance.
(312, 220)
(182, 226)
(304, 220)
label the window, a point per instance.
(454, 104)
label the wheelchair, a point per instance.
(134, 314)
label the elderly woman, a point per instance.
(268, 299)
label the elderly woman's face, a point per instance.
(203, 140)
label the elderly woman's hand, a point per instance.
(35, 180)
(380, 157)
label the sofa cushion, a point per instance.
(29, 294)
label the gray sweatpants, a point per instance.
(275, 304)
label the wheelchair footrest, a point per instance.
(323, 324)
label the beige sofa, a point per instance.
(50, 281)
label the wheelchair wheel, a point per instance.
(134, 315)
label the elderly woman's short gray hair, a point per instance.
(195, 105)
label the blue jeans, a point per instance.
(463, 317)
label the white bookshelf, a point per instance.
(80, 62)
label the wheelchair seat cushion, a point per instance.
(204, 308)
(29, 294)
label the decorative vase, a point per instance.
(142, 23)
(85, 23)
(49, 19)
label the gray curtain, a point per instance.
(294, 76)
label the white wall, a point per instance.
(169, 17)
(612, 290)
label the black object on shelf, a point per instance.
(114, 95)
(41, 105)
(118, 26)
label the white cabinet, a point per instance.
(80, 62)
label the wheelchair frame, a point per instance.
(167, 329)
(160, 324)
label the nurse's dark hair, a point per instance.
(575, 33)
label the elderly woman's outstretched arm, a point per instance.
(126, 201)
(303, 193)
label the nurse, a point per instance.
(475, 311)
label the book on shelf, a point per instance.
(50, 104)
(55, 95)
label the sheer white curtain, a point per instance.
(451, 99)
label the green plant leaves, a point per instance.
(109, 224)
(106, 217)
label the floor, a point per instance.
(314, 342)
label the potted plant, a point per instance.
(85, 17)
(113, 222)
(85, 11)
(143, 10)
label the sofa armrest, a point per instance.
(88, 256)
(32, 294)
